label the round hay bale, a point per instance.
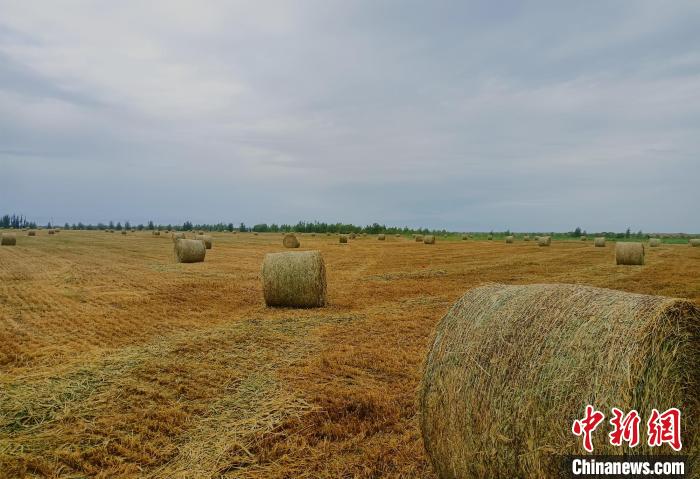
(343, 239)
(511, 368)
(489, 237)
(599, 242)
(544, 240)
(295, 279)
(200, 232)
(526, 238)
(419, 238)
(206, 239)
(133, 231)
(629, 253)
(178, 235)
(429, 239)
(156, 233)
(31, 233)
(8, 239)
(255, 234)
(51, 232)
(397, 235)
(189, 250)
(654, 242)
(123, 232)
(381, 237)
(167, 232)
(352, 236)
(313, 234)
(694, 242)
(509, 239)
(584, 238)
(290, 241)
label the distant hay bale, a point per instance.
(352, 235)
(106, 231)
(200, 232)
(206, 239)
(313, 234)
(583, 238)
(255, 234)
(189, 250)
(599, 242)
(489, 237)
(465, 237)
(123, 232)
(429, 239)
(629, 253)
(694, 242)
(509, 239)
(343, 238)
(419, 238)
(290, 241)
(544, 241)
(50, 232)
(397, 235)
(31, 233)
(167, 231)
(294, 279)
(654, 242)
(156, 233)
(511, 367)
(133, 231)
(178, 235)
(526, 238)
(8, 239)
(381, 237)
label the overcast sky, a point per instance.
(464, 115)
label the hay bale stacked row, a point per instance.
(511, 368)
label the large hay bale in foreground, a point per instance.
(511, 368)
(178, 235)
(544, 240)
(189, 250)
(206, 239)
(290, 241)
(343, 238)
(31, 233)
(381, 237)
(629, 253)
(8, 239)
(599, 242)
(654, 242)
(419, 238)
(509, 239)
(295, 279)
(429, 239)
(694, 242)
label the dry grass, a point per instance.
(117, 362)
(517, 365)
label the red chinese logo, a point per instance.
(625, 428)
(665, 428)
(587, 425)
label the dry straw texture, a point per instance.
(189, 251)
(544, 240)
(8, 239)
(599, 242)
(206, 239)
(694, 242)
(381, 237)
(419, 238)
(343, 238)
(178, 235)
(290, 241)
(295, 279)
(509, 239)
(526, 238)
(654, 242)
(629, 253)
(31, 233)
(511, 368)
(429, 239)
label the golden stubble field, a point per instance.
(117, 362)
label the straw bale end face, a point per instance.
(629, 253)
(189, 251)
(511, 367)
(294, 279)
(694, 242)
(290, 241)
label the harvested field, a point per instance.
(116, 361)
